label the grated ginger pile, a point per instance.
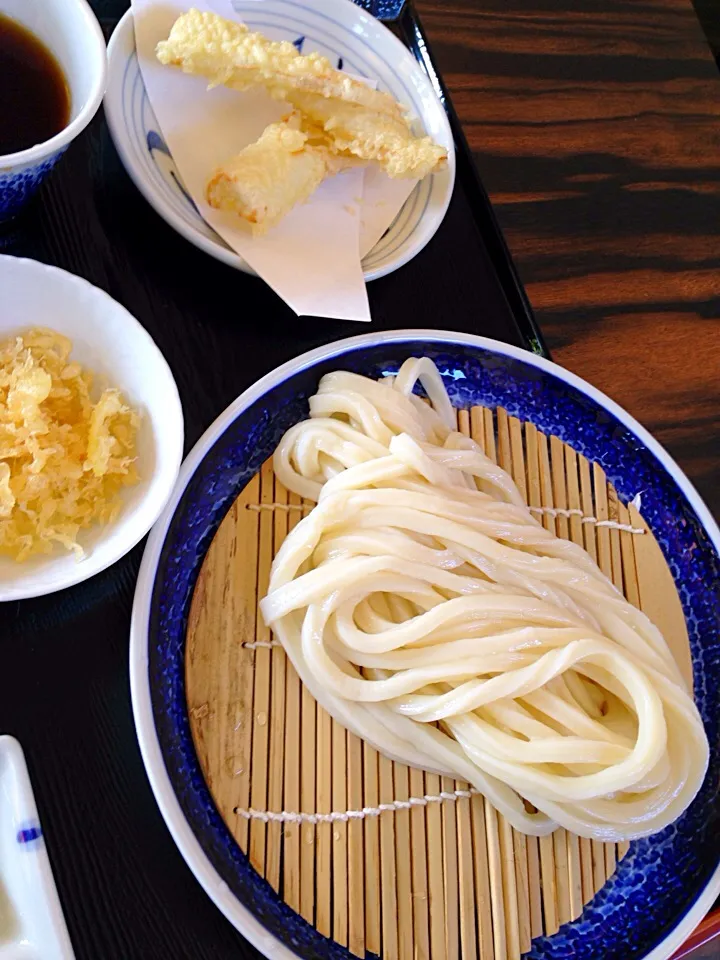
(63, 458)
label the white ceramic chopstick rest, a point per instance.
(32, 926)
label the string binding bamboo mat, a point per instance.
(386, 859)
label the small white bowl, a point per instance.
(112, 344)
(70, 31)
(347, 35)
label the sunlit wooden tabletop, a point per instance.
(596, 129)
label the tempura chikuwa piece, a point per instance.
(358, 131)
(269, 177)
(227, 52)
(357, 121)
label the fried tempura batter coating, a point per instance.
(228, 53)
(360, 132)
(356, 120)
(269, 177)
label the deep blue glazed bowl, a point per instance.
(20, 181)
(663, 886)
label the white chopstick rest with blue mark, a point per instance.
(31, 918)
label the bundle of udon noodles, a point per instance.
(431, 614)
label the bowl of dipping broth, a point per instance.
(52, 76)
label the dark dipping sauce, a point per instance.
(34, 97)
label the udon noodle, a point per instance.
(431, 614)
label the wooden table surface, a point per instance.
(596, 128)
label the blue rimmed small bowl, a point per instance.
(348, 37)
(664, 885)
(71, 32)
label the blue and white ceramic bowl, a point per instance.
(666, 883)
(349, 37)
(70, 31)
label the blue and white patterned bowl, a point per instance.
(665, 883)
(349, 37)
(69, 29)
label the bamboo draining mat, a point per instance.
(445, 879)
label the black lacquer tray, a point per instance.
(64, 690)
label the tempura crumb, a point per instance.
(63, 457)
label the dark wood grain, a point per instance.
(596, 129)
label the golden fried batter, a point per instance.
(370, 136)
(356, 121)
(228, 53)
(269, 177)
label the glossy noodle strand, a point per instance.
(428, 611)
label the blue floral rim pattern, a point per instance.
(661, 877)
(17, 186)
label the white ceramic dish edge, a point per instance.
(218, 891)
(106, 545)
